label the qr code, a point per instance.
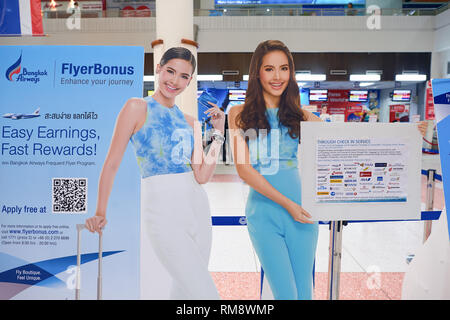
(69, 195)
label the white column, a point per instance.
(175, 21)
(436, 66)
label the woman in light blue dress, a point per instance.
(265, 133)
(265, 155)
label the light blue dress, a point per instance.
(286, 248)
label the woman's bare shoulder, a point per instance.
(134, 107)
(136, 103)
(234, 111)
(232, 114)
(190, 119)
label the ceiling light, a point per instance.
(209, 77)
(310, 77)
(365, 77)
(410, 77)
(149, 78)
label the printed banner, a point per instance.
(361, 170)
(59, 106)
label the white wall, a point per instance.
(242, 34)
(439, 61)
(442, 32)
(317, 34)
(441, 49)
(93, 31)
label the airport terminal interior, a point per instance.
(365, 61)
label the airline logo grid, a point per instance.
(364, 179)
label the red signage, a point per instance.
(429, 103)
(399, 113)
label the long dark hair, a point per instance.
(178, 53)
(253, 114)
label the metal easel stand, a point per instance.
(334, 260)
(430, 201)
(335, 249)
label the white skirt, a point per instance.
(176, 238)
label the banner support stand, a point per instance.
(334, 259)
(429, 202)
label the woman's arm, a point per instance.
(252, 177)
(128, 120)
(203, 165)
(421, 125)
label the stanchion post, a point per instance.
(100, 267)
(429, 202)
(334, 259)
(80, 227)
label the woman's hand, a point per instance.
(96, 224)
(217, 117)
(298, 213)
(422, 126)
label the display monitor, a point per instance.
(401, 95)
(358, 95)
(236, 95)
(318, 95)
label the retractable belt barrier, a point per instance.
(336, 227)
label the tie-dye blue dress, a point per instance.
(176, 231)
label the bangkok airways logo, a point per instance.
(14, 69)
(23, 74)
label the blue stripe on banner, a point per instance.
(430, 151)
(262, 280)
(9, 17)
(430, 215)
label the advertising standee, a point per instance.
(56, 122)
(441, 94)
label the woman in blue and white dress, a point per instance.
(174, 206)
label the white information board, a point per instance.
(361, 171)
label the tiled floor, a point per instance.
(373, 254)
